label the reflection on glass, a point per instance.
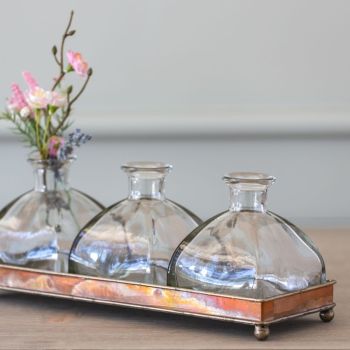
(247, 251)
(37, 229)
(135, 238)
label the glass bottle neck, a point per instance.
(247, 199)
(146, 187)
(51, 178)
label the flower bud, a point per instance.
(89, 72)
(54, 50)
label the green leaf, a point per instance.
(21, 127)
(69, 68)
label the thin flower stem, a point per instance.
(61, 61)
(46, 132)
(56, 60)
(58, 80)
(37, 132)
(81, 90)
(69, 106)
(64, 38)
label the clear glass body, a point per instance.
(247, 251)
(134, 239)
(37, 229)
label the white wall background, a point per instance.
(208, 85)
(174, 56)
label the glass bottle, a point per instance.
(247, 251)
(134, 239)
(37, 229)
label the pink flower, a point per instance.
(17, 101)
(54, 144)
(39, 98)
(30, 80)
(58, 99)
(79, 65)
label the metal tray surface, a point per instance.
(258, 312)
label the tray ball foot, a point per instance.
(327, 315)
(261, 332)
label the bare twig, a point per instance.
(64, 38)
(61, 61)
(58, 80)
(71, 102)
(83, 87)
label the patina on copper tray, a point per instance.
(260, 313)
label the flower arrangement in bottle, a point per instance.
(42, 116)
(37, 229)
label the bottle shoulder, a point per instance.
(259, 233)
(126, 210)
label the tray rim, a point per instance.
(240, 314)
(164, 310)
(102, 279)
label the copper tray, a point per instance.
(257, 312)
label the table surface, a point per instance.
(34, 322)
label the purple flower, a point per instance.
(75, 139)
